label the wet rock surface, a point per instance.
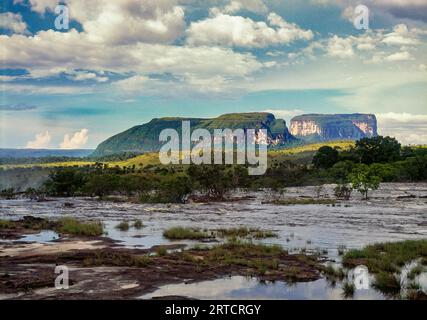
(395, 212)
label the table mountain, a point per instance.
(145, 137)
(326, 127)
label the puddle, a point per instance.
(45, 236)
(145, 237)
(244, 288)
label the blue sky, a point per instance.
(122, 63)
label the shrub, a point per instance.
(343, 191)
(138, 224)
(123, 226)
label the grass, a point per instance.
(386, 257)
(152, 158)
(331, 272)
(297, 201)
(244, 232)
(5, 224)
(161, 251)
(181, 233)
(108, 258)
(70, 226)
(413, 286)
(123, 226)
(415, 271)
(388, 283)
(137, 224)
(348, 289)
(74, 227)
(259, 257)
(345, 145)
(386, 260)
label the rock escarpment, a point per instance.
(324, 127)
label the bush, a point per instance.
(138, 224)
(343, 191)
(123, 226)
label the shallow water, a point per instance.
(45, 236)
(395, 212)
(238, 287)
(352, 224)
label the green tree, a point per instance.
(64, 182)
(364, 180)
(415, 168)
(378, 149)
(102, 184)
(175, 189)
(341, 170)
(325, 157)
(215, 180)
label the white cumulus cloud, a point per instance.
(228, 30)
(406, 127)
(13, 22)
(399, 56)
(41, 141)
(76, 141)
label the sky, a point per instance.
(121, 63)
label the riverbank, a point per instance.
(395, 212)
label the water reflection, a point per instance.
(238, 287)
(45, 236)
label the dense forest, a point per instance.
(361, 167)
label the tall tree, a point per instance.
(378, 149)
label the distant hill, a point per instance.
(329, 127)
(145, 138)
(40, 153)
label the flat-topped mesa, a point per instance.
(145, 138)
(324, 127)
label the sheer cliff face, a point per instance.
(319, 127)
